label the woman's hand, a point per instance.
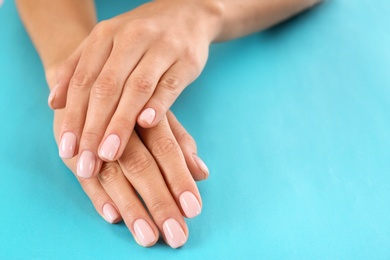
(138, 61)
(158, 170)
(157, 164)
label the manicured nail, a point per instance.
(148, 115)
(110, 213)
(67, 145)
(52, 95)
(144, 233)
(190, 204)
(202, 166)
(110, 147)
(174, 233)
(86, 164)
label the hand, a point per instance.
(140, 60)
(113, 191)
(159, 172)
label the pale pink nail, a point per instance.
(190, 204)
(86, 164)
(52, 95)
(110, 147)
(110, 213)
(144, 233)
(202, 166)
(148, 115)
(174, 233)
(67, 145)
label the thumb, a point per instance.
(63, 75)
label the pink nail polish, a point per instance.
(86, 164)
(144, 233)
(174, 233)
(110, 213)
(110, 147)
(202, 166)
(67, 145)
(52, 95)
(148, 115)
(190, 204)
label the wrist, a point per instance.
(205, 16)
(214, 10)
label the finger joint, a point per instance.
(163, 146)
(81, 81)
(137, 162)
(105, 88)
(108, 173)
(142, 84)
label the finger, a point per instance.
(197, 167)
(162, 144)
(171, 84)
(102, 202)
(143, 173)
(104, 97)
(134, 213)
(92, 59)
(138, 89)
(57, 97)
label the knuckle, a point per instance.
(142, 84)
(108, 173)
(170, 84)
(158, 206)
(187, 139)
(137, 162)
(178, 181)
(163, 146)
(192, 58)
(102, 29)
(104, 88)
(122, 122)
(130, 209)
(90, 137)
(81, 81)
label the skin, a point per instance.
(107, 74)
(117, 181)
(138, 170)
(131, 68)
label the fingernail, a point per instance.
(110, 213)
(144, 233)
(86, 164)
(190, 204)
(202, 166)
(67, 145)
(52, 95)
(148, 115)
(174, 233)
(110, 147)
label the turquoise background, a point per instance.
(293, 123)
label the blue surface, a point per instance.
(293, 123)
